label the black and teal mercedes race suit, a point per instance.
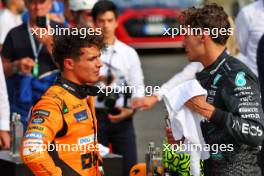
(237, 123)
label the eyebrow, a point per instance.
(95, 56)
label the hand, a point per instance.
(46, 40)
(198, 104)
(56, 17)
(25, 65)
(4, 140)
(144, 103)
(124, 114)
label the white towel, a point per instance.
(103, 150)
(185, 122)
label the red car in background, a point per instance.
(143, 23)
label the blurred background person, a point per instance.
(4, 112)
(56, 13)
(67, 11)
(81, 12)
(28, 66)
(250, 28)
(10, 17)
(121, 66)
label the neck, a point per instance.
(13, 9)
(212, 53)
(32, 22)
(68, 76)
(109, 40)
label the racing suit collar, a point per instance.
(211, 69)
(80, 91)
(207, 72)
(218, 62)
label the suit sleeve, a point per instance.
(8, 51)
(135, 75)
(243, 118)
(46, 121)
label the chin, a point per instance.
(93, 81)
(190, 59)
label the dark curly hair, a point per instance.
(210, 16)
(68, 46)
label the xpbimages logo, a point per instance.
(189, 147)
(65, 31)
(125, 89)
(187, 30)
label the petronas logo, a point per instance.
(217, 78)
(240, 79)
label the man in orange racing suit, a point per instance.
(61, 138)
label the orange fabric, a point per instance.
(78, 148)
(138, 170)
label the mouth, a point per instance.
(97, 73)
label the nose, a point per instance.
(105, 24)
(99, 63)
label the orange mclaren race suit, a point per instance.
(61, 137)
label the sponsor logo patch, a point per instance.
(36, 128)
(33, 156)
(217, 78)
(240, 79)
(34, 135)
(37, 121)
(80, 116)
(86, 140)
(32, 142)
(41, 112)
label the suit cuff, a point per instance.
(218, 117)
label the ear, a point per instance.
(68, 64)
(203, 38)
(206, 37)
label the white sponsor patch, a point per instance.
(249, 110)
(32, 150)
(86, 140)
(32, 142)
(251, 130)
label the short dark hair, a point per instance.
(210, 16)
(103, 6)
(68, 46)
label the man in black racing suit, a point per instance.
(234, 116)
(237, 119)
